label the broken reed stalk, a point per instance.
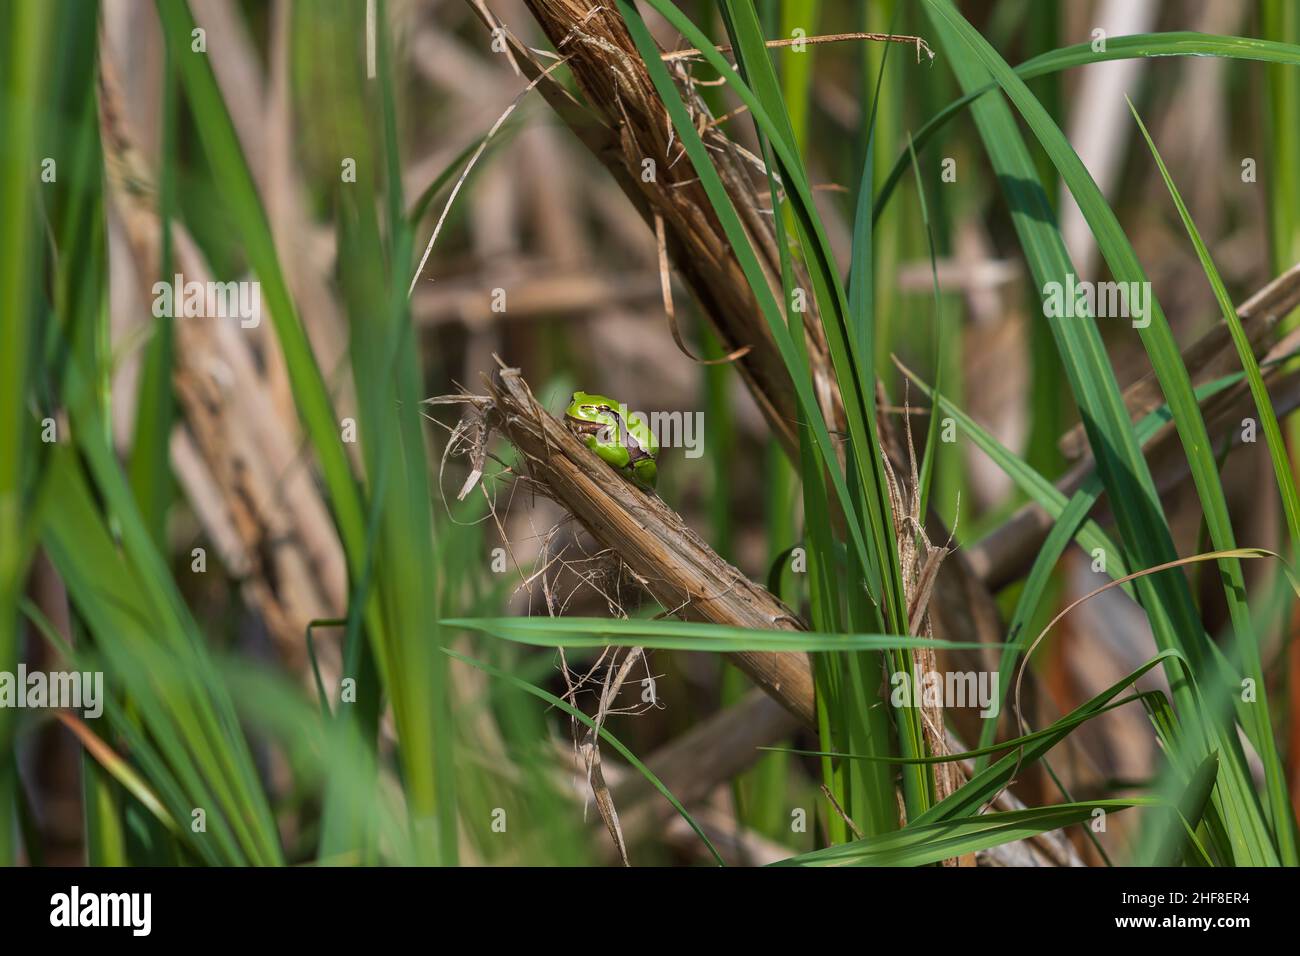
(236, 455)
(685, 575)
(669, 560)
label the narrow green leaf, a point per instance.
(920, 844)
(683, 635)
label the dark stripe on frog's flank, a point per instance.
(581, 426)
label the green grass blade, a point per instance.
(25, 32)
(932, 431)
(929, 843)
(398, 580)
(683, 635)
(846, 333)
(1181, 841)
(866, 792)
(158, 660)
(1064, 723)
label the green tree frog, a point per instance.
(626, 444)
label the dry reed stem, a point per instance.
(678, 569)
(685, 575)
(239, 461)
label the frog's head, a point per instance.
(590, 407)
